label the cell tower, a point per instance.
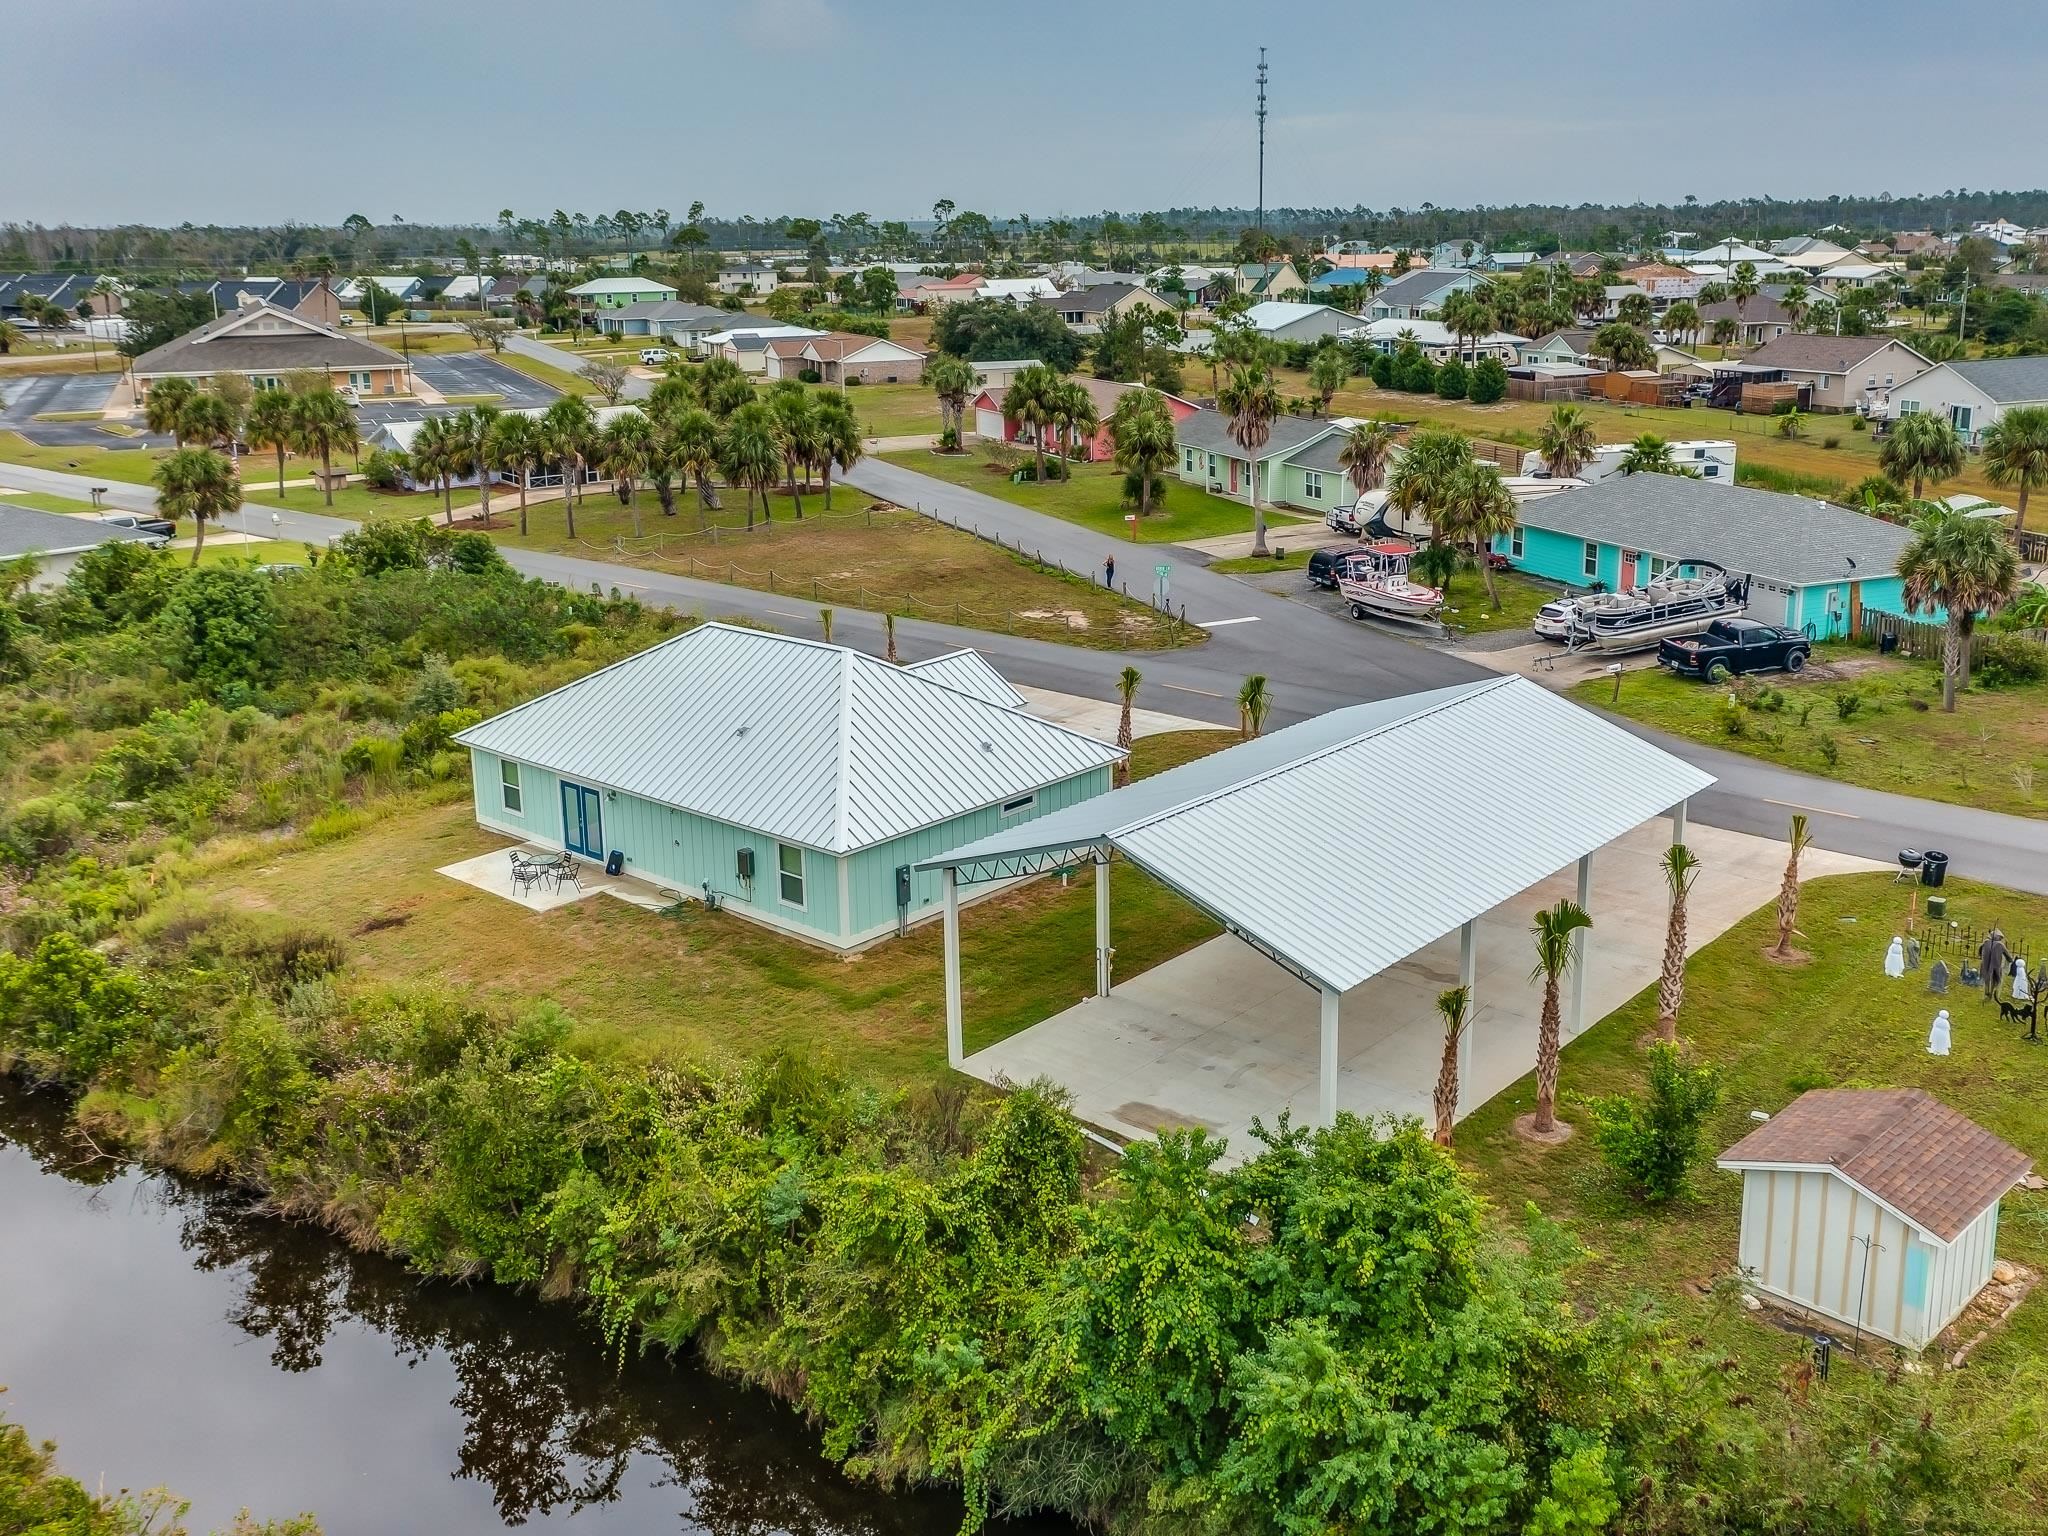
(1262, 140)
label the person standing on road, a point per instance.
(1109, 573)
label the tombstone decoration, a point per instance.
(1895, 958)
(1912, 953)
(1938, 1035)
(1937, 978)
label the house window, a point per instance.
(1960, 415)
(1592, 566)
(508, 787)
(1187, 460)
(1657, 567)
(789, 874)
(264, 382)
(1909, 407)
(1312, 484)
(1515, 543)
(1021, 803)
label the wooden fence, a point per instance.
(1916, 637)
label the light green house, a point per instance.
(1211, 458)
(618, 292)
(791, 782)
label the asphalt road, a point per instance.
(1316, 662)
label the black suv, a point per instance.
(1728, 646)
(1325, 564)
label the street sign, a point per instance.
(1162, 582)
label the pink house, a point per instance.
(991, 424)
(946, 290)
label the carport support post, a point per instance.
(1678, 822)
(1579, 946)
(949, 879)
(1102, 977)
(1468, 977)
(1326, 1098)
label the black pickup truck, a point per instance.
(1728, 646)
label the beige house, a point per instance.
(1087, 310)
(1267, 279)
(265, 344)
(1844, 373)
(844, 358)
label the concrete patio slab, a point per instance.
(1093, 717)
(492, 872)
(1220, 1035)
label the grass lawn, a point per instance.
(28, 360)
(1774, 1030)
(1988, 753)
(1468, 613)
(68, 416)
(558, 378)
(1251, 565)
(415, 341)
(134, 466)
(703, 985)
(1093, 497)
(884, 560)
(42, 501)
(354, 500)
(892, 410)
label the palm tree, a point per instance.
(1566, 441)
(1141, 428)
(200, 484)
(1681, 867)
(796, 434)
(1365, 454)
(1647, 454)
(1623, 346)
(1252, 704)
(954, 381)
(567, 428)
(273, 424)
(1452, 1004)
(747, 455)
(1073, 413)
(436, 451)
(1742, 287)
(1683, 319)
(1634, 310)
(1555, 955)
(1029, 402)
(164, 408)
(1422, 477)
(1251, 402)
(2016, 453)
(211, 421)
(1788, 887)
(838, 445)
(1127, 688)
(626, 448)
(10, 337)
(326, 426)
(722, 386)
(693, 449)
(1794, 302)
(1724, 331)
(1477, 506)
(1965, 567)
(1327, 371)
(472, 428)
(1921, 447)
(515, 446)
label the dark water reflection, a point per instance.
(162, 1333)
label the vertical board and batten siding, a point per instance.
(540, 815)
(872, 872)
(1797, 1241)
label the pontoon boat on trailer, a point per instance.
(1661, 611)
(1375, 584)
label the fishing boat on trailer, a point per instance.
(1375, 584)
(1663, 610)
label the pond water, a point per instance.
(163, 1333)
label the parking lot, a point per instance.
(472, 373)
(28, 396)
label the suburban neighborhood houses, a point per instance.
(1267, 808)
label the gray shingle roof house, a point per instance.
(55, 539)
(1209, 431)
(263, 343)
(1418, 295)
(2008, 380)
(664, 317)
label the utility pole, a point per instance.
(1262, 141)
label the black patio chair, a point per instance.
(567, 869)
(525, 873)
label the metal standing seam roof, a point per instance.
(1346, 843)
(805, 742)
(968, 671)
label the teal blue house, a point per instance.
(790, 782)
(1812, 566)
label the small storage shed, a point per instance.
(1877, 1208)
(795, 783)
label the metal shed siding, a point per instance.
(872, 871)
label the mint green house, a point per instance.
(1288, 473)
(1812, 566)
(790, 782)
(618, 292)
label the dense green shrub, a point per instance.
(383, 471)
(1489, 382)
(1653, 1142)
(220, 627)
(1451, 380)
(2008, 660)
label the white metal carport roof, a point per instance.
(1345, 843)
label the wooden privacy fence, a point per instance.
(1915, 637)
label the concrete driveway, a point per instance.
(1220, 1034)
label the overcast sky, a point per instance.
(233, 111)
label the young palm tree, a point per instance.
(1141, 427)
(164, 408)
(1555, 956)
(793, 411)
(1681, 867)
(211, 421)
(200, 484)
(747, 454)
(1648, 454)
(273, 425)
(436, 451)
(1623, 346)
(1452, 1004)
(1921, 447)
(1478, 507)
(567, 428)
(693, 449)
(1327, 371)
(954, 381)
(1251, 402)
(626, 449)
(1794, 302)
(1073, 414)
(515, 446)
(1029, 402)
(1742, 287)
(1421, 479)
(1253, 702)
(326, 426)
(1566, 441)
(2016, 453)
(1965, 567)
(1683, 319)
(838, 441)
(889, 635)
(1365, 454)
(1788, 887)
(1127, 689)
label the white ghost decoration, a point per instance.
(1895, 958)
(2022, 991)
(1937, 1037)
